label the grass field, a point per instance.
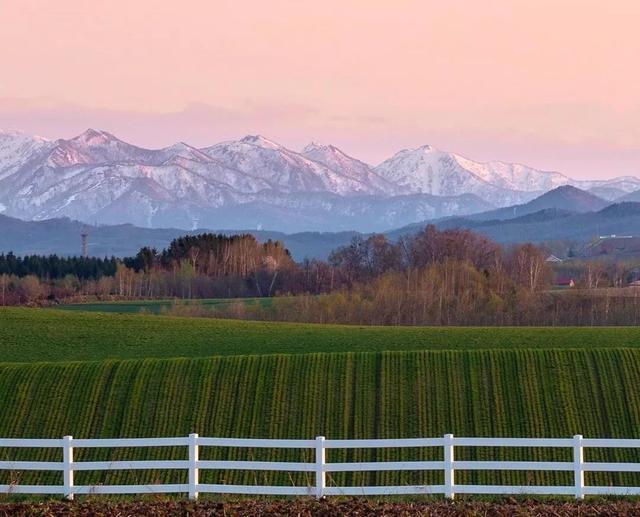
(156, 306)
(29, 335)
(113, 375)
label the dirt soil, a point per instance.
(303, 508)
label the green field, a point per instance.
(157, 306)
(114, 377)
(29, 335)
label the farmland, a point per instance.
(30, 335)
(110, 375)
(379, 394)
(157, 306)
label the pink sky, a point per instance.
(554, 84)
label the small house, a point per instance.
(563, 281)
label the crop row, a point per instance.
(544, 393)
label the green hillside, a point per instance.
(28, 335)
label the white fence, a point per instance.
(320, 467)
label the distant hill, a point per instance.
(550, 224)
(62, 237)
(632, 196)
(566, 197)
(620, 247)
(625, 209)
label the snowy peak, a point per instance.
(180, 151)
(14, 134)
(329, 154)
(260, 141)
(313, 147)
(285, 170)
(349, 167)
(93, 138)
(92, 147)
(18, 149)
(97, 177)
(429, 170)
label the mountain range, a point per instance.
(567, 216)
(255, 183)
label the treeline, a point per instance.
(53, 267)
(450, 293)
(450, 277)
(202, 266)
(366, 259)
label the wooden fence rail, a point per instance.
(320, 467)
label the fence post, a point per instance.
(449, 480)
(578, 460)
(321, 475)
(67, 473)
(193, 466)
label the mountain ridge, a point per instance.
(96, 176)
(565, 197)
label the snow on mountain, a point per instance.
(429, 170)
(349, 167)
(432, 171)
(610, 189)
(513, 176)
(285, 170)
(17, 149)
(97, 147)
(255, 181)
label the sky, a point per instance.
(553, 84)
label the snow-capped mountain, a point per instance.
(349, 167)
(431, 171)
(255, 182)
(17, 149)
(286, 170)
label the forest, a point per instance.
(448, 277)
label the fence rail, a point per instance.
(320, 467)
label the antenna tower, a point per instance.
(84, 236)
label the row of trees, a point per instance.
(202, 266)
(54, 267)
(365, 259)
(424, 298)
(433, 277)
(186, 267)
